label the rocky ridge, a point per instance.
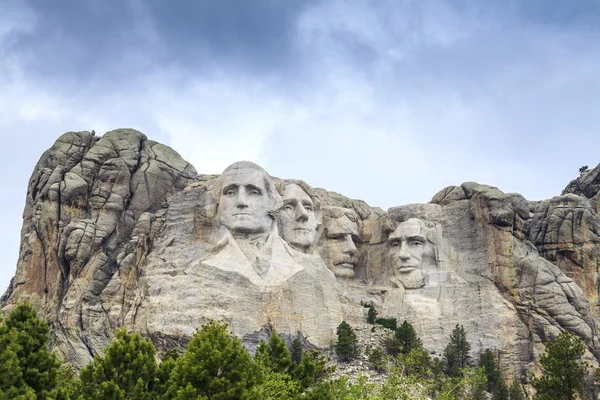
(114, 228)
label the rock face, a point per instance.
(121, 231)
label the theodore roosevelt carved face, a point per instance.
(405, 252)
(247, 199)
(338, 244)
(297, 219)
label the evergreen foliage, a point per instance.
(500, 390)
(278, 386)
(515, 391)
(297, 351)
(392, 345)
(389, 323)
(12, 384)
(456, 353)
(126, 371)
(346, 346)
(376, 359)
(488, 363)
(407, 337)
(371, 315)
(323, 370)
(417, 363)
(275, 355)
(166, 366)
(29, 338)
(564, 373)
(215, 365)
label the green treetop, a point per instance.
(564, 372)
(408, 338)
(12, 384)
(456, 353)
(275, 355)
(38, 365)
(215, 365)
(127, 370)
(346, 347)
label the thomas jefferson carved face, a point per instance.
(405, 253)
(244, 201)
(297, 221)
(338, 249)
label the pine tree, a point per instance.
(564, 372)
(392, 345)
(274, 355)
(408, 338)
(372, 314)
(166, 366)
(306, 372)
(38, 365)
(126, 371)
(297, 351)
(500, 390)
(215, 365)
(12, 384)
(515, 391)
(346, 347)
(376, 359)
(456, 354)
(487, 361)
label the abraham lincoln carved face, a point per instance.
(405, 247)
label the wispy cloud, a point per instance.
(388, 101)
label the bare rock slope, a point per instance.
(119, 231)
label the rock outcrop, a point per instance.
(121, 231)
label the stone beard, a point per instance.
(296, 219)
(405, 253)
(338, 246)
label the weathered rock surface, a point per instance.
(121, 231)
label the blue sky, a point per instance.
(387, 101)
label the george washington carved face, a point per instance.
(246, 199)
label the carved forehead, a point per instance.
(341, 225)
(412, 227)
(295, 192)
(243, 176)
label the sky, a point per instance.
(388, 101)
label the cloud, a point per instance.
(387, 101)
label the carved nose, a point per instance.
(242, 200)
(404, 254)
(350, 247)
(301, 214)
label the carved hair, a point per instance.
(339, 212)
(275, 201)
(282, 184)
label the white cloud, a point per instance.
(388, 103)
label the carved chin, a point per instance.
(412, 280)
(343, 270)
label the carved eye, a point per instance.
(288, 207)
(255, 192)
(416, 243)
(395, 243)
(308, 207)
(229, 192)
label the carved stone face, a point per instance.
(405, 253)
(339, 247)
(244, 203)
(297, 218)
